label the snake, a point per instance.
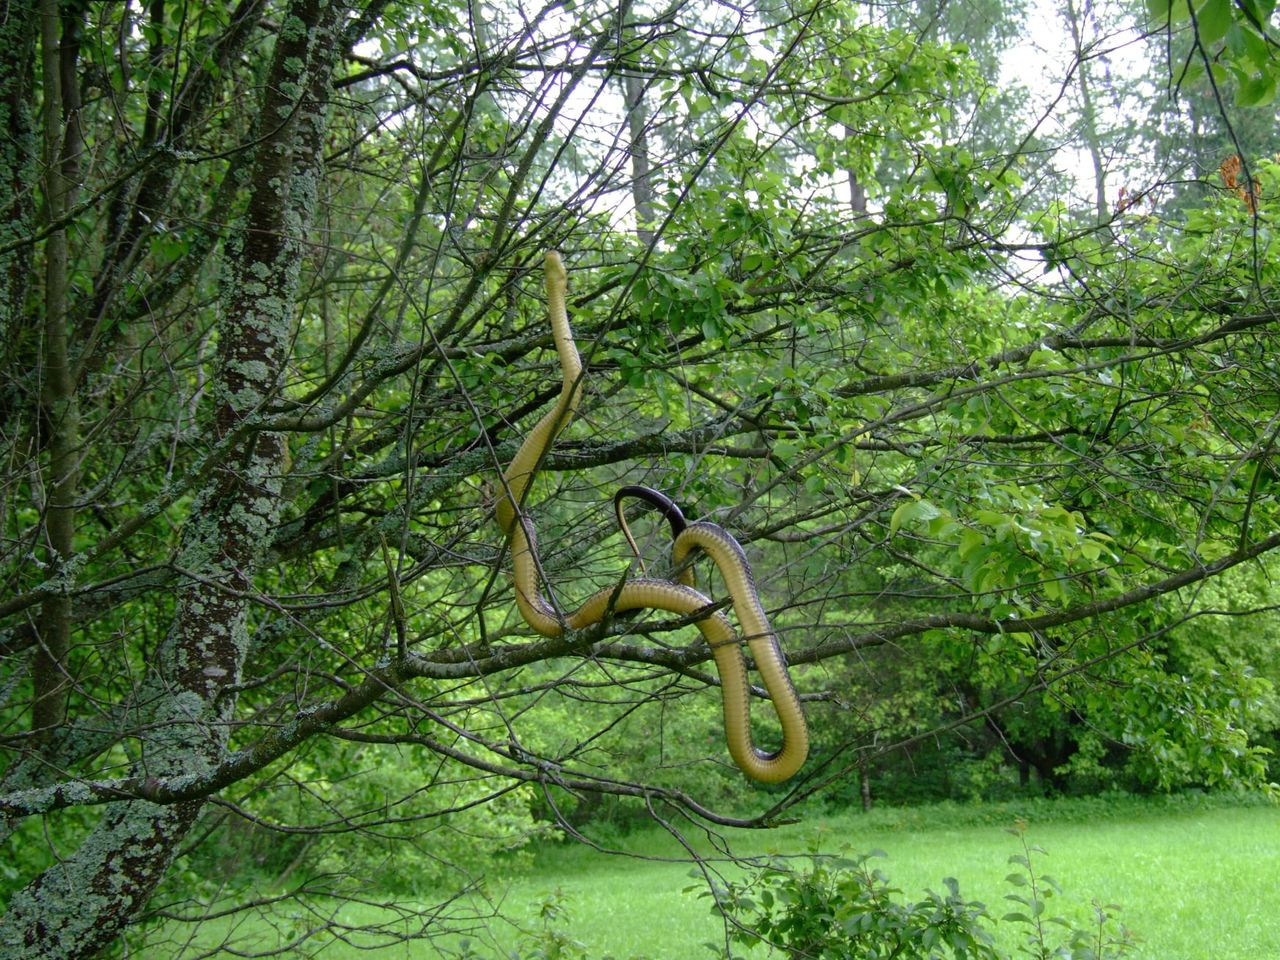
(679, 596)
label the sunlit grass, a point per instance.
(1194, 880)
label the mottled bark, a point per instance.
(74, 910)
(81, 905)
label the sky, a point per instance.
(1042, 60)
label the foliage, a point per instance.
(271, 326)
(400, 834)
(839, 907)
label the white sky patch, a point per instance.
(1044, 61)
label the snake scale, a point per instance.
(674, 596)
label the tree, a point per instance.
(272, 329)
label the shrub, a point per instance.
(822, 907)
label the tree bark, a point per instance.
(79, 906)
(857, 191)
(638, 147)
(60, 410)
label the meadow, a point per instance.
(1196, 878)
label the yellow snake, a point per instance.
(680, 598)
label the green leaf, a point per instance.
(1259, 10)
(1212, 20)
(1162, 11)
(970, 540)
(1257, 91)
(900, 514)
(941, 526)
(1256, 47)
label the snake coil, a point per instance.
(679, 597)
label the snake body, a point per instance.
(679, 597)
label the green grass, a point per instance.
(1196, 878)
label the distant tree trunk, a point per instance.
(78, 906)
(638, 143)
(1076, 20)
(857, 192)
(864, 784)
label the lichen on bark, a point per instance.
(82, 903)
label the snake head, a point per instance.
(669, 509)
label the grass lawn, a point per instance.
(1196, 879)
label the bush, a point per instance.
(839, 908)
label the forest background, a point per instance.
(998, 435)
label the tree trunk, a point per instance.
(59, 408)
(80, 905)
(638, 143)
(1076, 21)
